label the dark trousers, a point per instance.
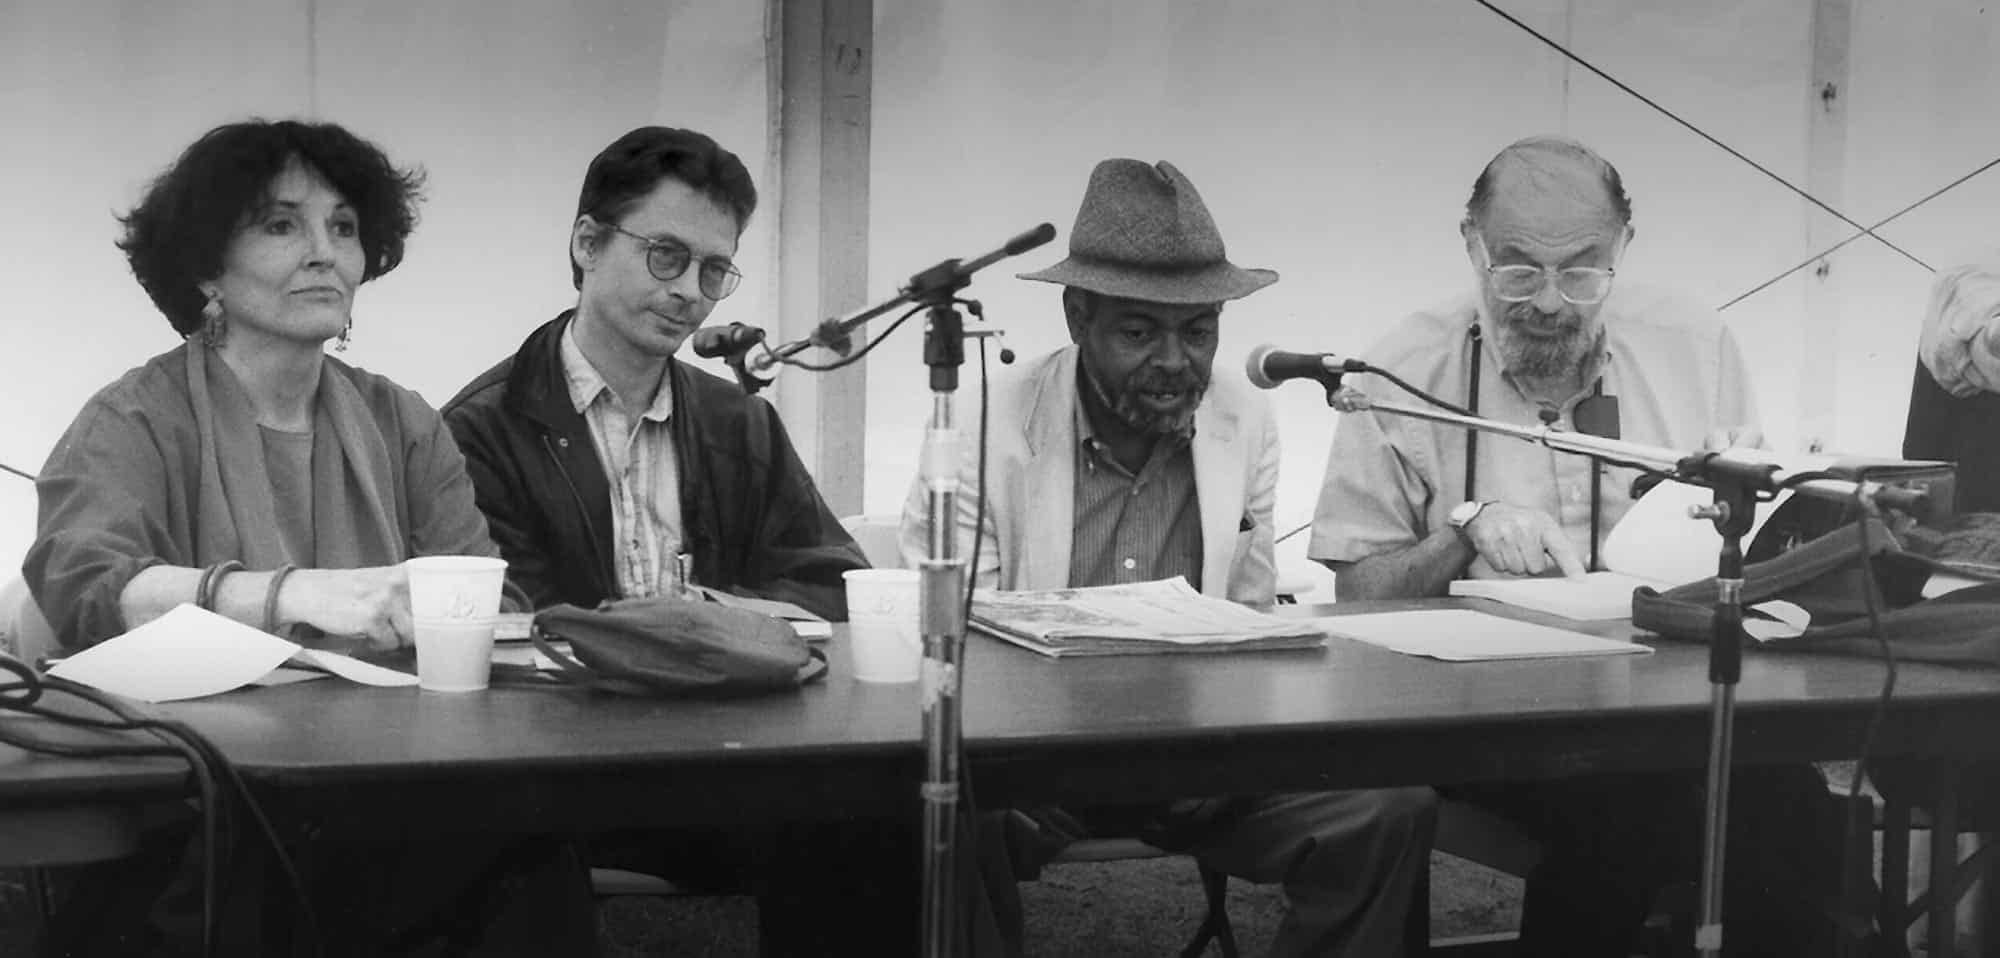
(1349, 861)
(455, 896)
(1611, 843)
(822, 888)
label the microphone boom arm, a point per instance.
(928, 287)
(1705, 468)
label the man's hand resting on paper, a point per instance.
(1512, 540)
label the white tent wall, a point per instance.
(502, 101)
(1924, 111)
(1336, 143)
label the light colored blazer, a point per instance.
(1031, 485)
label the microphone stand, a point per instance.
(941, 584)
(943, 279)
(1737, 485)
(941, 619)
(738, 362)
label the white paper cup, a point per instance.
(455, 588)
(882, 624)
(454, 601)
(454, 656)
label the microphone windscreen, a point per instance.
(710, 342)
(1254, 367)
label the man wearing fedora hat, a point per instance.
(1121, 458)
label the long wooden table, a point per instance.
(339, 757)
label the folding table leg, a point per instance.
(1857, 838)
(1893, 909)
(1989, 899)
(1944, 864)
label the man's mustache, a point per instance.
(1525, 313)
(1160, 381)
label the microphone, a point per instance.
(1029, 239)
(1268, 366)
(731, 340)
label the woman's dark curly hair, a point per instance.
(176, 236)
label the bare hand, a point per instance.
(1517, 541)
(373, 603)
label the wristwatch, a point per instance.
(1461, 515)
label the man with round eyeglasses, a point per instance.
(1551, 331)
(606, 467)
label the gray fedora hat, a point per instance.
(1144, 233)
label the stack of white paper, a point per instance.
(1462, 635)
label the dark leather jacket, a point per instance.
(750, 515)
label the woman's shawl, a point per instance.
(166, 466)
(353, 525)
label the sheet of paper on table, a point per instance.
(1595, 595)
(1463, 635)
(528, 655)
(191, 652)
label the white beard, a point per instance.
(1547, 358)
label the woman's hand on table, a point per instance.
(373, 603)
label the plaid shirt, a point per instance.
(639, 463)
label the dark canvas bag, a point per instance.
(664, 646)
(1824, 577)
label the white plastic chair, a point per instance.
(35, 839)
(24, 632)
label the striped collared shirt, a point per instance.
(638, 460)
(1134, 528)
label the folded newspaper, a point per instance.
(1142, 617)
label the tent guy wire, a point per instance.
(1698, 131)
(1866, 231)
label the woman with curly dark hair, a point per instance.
(211, 472)
(250, 473)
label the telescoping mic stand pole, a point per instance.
(941, 589)
(1737, 484)
(1735, 507)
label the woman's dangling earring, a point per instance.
(214, 328)
(346, 332)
